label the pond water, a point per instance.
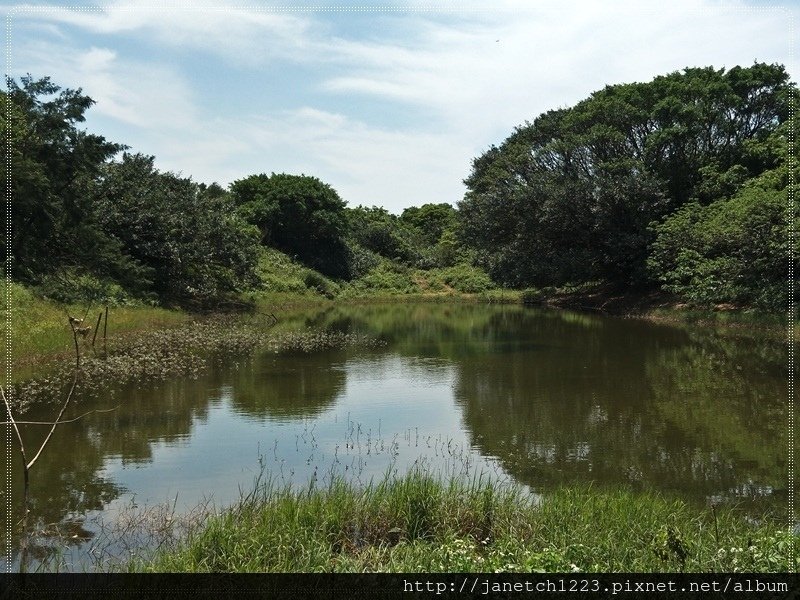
(540, 397)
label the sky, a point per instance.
(388, 104)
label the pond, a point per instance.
(539, 397)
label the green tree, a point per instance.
(190, 241)
(383, 233)
(299, 215)
(431, 220)
(54, 166)
(736, 249)
(570, 196)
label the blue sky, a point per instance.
(388, 106)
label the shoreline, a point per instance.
(655, 307)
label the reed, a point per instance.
(419, 523)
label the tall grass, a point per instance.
(419, 523)
(39, 329)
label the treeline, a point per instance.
(680, 183)
(90, 221)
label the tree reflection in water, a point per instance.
(557, 397)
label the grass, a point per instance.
(394, 280)
(420, 524)
(283, 278)
(39, 329)
(183, 351)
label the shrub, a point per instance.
(72, 287)
(361, 260)
(315, 281)
(466, 279)
(733, 250)
(532, 296)
(387, 277)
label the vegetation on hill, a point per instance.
(680, 184)
(625, 178)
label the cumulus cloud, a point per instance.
(147, 96)
(389, 107)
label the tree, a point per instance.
(299, 215)
(378, 230)
(735, 249)
(54, 166)
(431, 220)
(190, 241)
(570, 196)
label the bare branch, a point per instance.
(66, 401)
(14, 423)
(97, 410)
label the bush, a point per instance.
(361, 260)
(72, 287)
(732, 251)
(315, 281)
(466, 279)
(279, 273)
(532, 296)
(297, 214)
(387, 277)
(383, 233)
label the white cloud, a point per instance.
(364, 164)
(242, 35)
(147, 96)
(494, 71)
(469, 75)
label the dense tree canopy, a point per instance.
(681, 182)
(431, 220)
(737, 248)
(81, 221)
(570, 197)
(54, 167)
(192, 244)
(383, 233)
(297, 214)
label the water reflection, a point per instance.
(546, 397)
(301, 386)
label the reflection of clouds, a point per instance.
(510, 408)
(416, 371)
(597, 416)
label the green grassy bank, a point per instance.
(421, 524)
(39, 330)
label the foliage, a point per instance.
(299, 215)
(86, 228)
(570, 196)
(360, 260)
(75, 287)
(54, 167)
(191, 244)
(464, 278)
(383, 233)
(734, 250)
(37, 326)
(279, 273)
(319, 283)
(449, 250)
(431, 220)
(387, 277)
